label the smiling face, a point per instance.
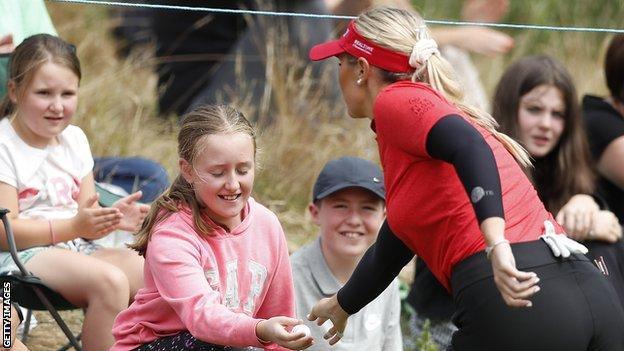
(541, 119)
(349, 221)
(45, 106)
(223, 176)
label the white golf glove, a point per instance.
(560, 244)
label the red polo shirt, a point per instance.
(428, 207)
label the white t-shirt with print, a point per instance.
(47, 180)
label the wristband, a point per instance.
(52, 236)
(488, 250)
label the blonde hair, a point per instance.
(399, 30)
(196, 126)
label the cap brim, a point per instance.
(325, 193)
(325, 50)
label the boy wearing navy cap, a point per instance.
(348, 205)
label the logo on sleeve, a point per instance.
(478, 193)
(420, 106)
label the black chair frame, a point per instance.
(30, 292)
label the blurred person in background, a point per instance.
(209, 57)
(604, 120)
(234, 65)
(18, 20)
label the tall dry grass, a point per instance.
(118, 112)
(118, 95)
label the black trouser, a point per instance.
(575, 310)
(610, 259)
(185, 341)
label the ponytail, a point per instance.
(402, 30)
(441, 77)
(180, 193)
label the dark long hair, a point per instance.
(566, 170)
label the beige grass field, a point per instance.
(118, 104)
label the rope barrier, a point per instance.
(325, 16)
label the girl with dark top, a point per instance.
(458, 198)
(604, 121)
(536, 103)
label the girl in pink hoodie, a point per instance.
(216, 263)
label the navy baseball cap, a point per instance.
(348, 172)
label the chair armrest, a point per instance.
(11, 241)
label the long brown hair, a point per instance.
(196, 126)
(31, 54)
(566, 170)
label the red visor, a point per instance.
(355, 44)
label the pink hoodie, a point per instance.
(218, 288)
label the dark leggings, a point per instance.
(185, 341)
(575, 310)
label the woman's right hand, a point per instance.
(274, 330)
(94, 222)
(329, 308)
(516, 287)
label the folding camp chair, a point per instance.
(30, 292)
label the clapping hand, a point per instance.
(133, 212)
(95, 222)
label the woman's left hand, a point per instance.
(329, 308)
(133, 212)
(577, 216)
(516, 287)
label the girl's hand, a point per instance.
(94, 222)
(275, 330)
(515, 286)
(577, 215)
(606, 227)
(133, 212)
(329, 308)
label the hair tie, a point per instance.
(422, 51)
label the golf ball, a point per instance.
(299, 328)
